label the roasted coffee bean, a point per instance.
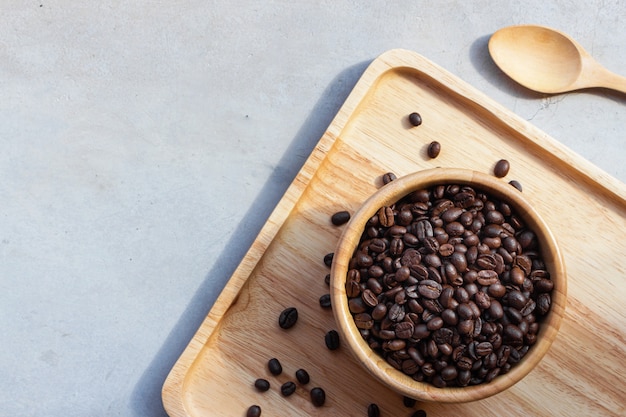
(363, 321)
(415, 119)
(302, 376)
(433, 149)
(318, 396)
(332, 340)
(429, 289)
(262, 384)
(419, 413)
(516, 184)
(254, 411)
(288, 318)
(386, 217)
(341, 217)
(274, 366)
(288, 388)
(408, 401)
(328, 259)
(388, 177)
(501, 168)
(327, 279)
(373, 410)
(325, 301)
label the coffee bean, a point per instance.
(327, 279)
(318, 396)
(339, 218)
(516, 184)
(388, 177)
(415, 119)
(302, 376)
(433, 149)
(385, 216)
(328, 259)
(501, 168)
(274, 366)
(332, 340)
(419, 413)
(288, 318)
(288, 388)
(325, 301)
(253, 411)
(408, 401)
(262, 384)
(373, 410)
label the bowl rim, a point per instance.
(389, 194)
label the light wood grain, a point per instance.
(585, 207)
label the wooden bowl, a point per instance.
(376, 364)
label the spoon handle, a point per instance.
(608, 79)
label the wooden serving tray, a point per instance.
(582, 374)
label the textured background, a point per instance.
(145, 143)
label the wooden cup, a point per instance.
(372, 361)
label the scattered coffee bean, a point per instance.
(332, 340)
(327, 279)
(318, 396)
(325, 301)
(419, 413)
(339, 218)
(302, 376)
(415, 119)
(501, 168)
(254, 411)
(274, 366)
(262, 384)
(388, 177)
(373, 410)
(448, 286)
(288, 388)
(516, 184)
(433, 149)
(328, 259)
(288, 318)
(408, 402)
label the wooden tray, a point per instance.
(583, 372)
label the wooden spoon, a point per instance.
(549, 61)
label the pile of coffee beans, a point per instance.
(449, 286)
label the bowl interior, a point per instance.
(378, 366)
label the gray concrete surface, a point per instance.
(145, 143)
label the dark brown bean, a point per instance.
(328, 259)
(254, 411)
(302, 376)
(332, 340)
(341, 217)
(516, 184)
(325, 301)
(318, 396)
(288, 317)
(388, 177)
(274, 366)
(501, 168)
(288, 388)
(415, 119)
(262, 385)
(373, 410)
(433, 149)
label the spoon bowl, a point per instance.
(548, 61)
